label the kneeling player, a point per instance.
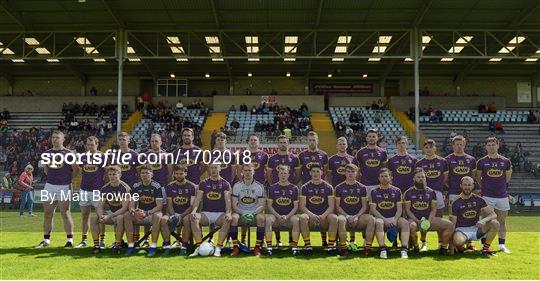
(386, 207)
(352, 207)
(180, 195)
(421, 204)
(146, 210)
(215, 196)
(248, 202)
(465, 214)
(111, 196)
(283, 204)
(317, 206)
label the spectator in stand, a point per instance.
(377, 118)
(531, 118)
(499, 127)
(14, 169)
(7, 182)
(3, 125)
(439, 115)
(353, 117)
(340, 128)
(254, 110)
(258, 127)
(179, 105)
(235, 124)
(518, 157)
(491, 108)
(5, 114)
(26, 185)
(243, 107)
(232, 108)
(140, 103)
(93, 91)
(491, 125)
(381, 104)
(375, 106)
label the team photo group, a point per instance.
(390, 201)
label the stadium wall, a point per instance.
(68, 86)
(264, 86)
(354, 101)
(208, 101)
(54, 103)
(206, 87)
(403, 103)
(223, 103)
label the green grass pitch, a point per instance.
(18, 260)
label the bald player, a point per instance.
(371, 160)
(156, 158)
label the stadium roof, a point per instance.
(308, 38)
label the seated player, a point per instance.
(386, 207)
(214, 200)
(353, 209)
(180, 195)
(465, 215)
(248, 201)
(282, 205)
(146, 210)
(317, 206)
(110, 193)
(421, 203)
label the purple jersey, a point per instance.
(371, 160)
(435, 169)
(458, 167)
(317, 196)
(259, 160)
(351, 197)
(160, 168)
(336, 167)
(225, 157)
(60, 174)
(402, 168)
(420, 200)
(386, 200)
(180, 194)
(308, 158)
(494, 175)
(289, 160)
(129, 170)
(114, 193)
(194, 168)
(214, 195)
(148, 194)
(283, 198)
(92, 176)
(467, 211)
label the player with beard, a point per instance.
(150, 204)
(465, 215)
(317, 205)
(386, 207)
(180, 196)
(282, 206)
(248, 201)
(402, 165)
(58, 188)
(110, 194)
(92, 179)
(186, 151)
(353, 209)
(436, 169)
(493, 172)
(371, 159)
(313, 155)
(214, 200)
(420, 203)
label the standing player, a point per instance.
(436, 169)
(353, 209)
(248, 201)
(313, 155)
(421, 203)
(338, 162)
(155, 157)
(111, 196)
(493, 172)
(180, 195)
(460, 164)
(386, 207)
(186, 153)
(465, 215)
(259, 159)
(402, 165)
(57, 191)
(317, 205)
(214, 200)
(371, 159)
(92, 179)
(149, 203)
(129, 170)
(224, 156)
(282, 205)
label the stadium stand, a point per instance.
(473, 116)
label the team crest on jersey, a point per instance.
(373, 163)
(115, 203)
(187, 162)
(213, 195)
(125, 167)
(494, 173)
(316, 200)
(180, 200)
(420, 205)
(308, 165)
(90, 168)
(470, 214)
(351, 200)
(461, 170)
(284, 201)
(433, 174)
(404, 170)
(256, 165)
(248, 200)
(56, 166)
(386, 205)
(341, 170)
(146, 199)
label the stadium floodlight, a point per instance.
(250, 74)
(252, 48)
(214, 47)
(211, 40)
(458, 46)
(182, 59)
(53, 60)
(207, 75)
(217, 59)
(512, 44)
(134, 59)
(176, 48)
(341, 47)
(288, 74)
(533, 59)
(172, 75)
(99, 60)
(17, 60)
(329, 75)
(495, 59)
(253, 59)
(447, 59)
(290, 49)
(31, 41)
(5, 51)
(365, 75)
(374, 59)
